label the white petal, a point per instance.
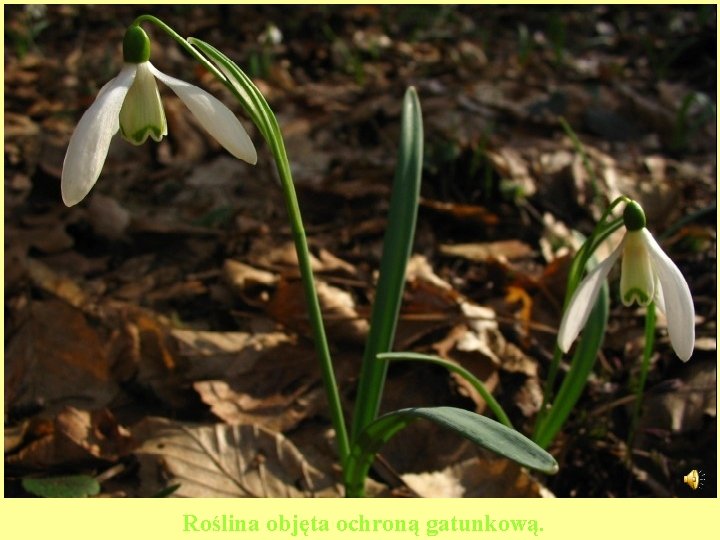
(679, 308)
(215, 117)
(659, 297)
(90, 142)
(583, 300)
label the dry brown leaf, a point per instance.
(144, 353)
(52, 368)
(557, 239)
(477, 477)
(226, 461)
(76, 435)
(249, 283)
(14, 436)
(19, 125)
(263, 378)
(473, 339)
(276, 411)
(56, 284)
(462, 212)
(485, 337)
(343, 323)
(266, 252)
(228, 355)
(95, 432)
(501, 250)
(332, 264)
(431, 304)
(512, 166)
(682, 409)
(242, 276)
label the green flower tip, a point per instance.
(136, 45)
(634, 217)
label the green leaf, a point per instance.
(62, 486)
(397, 247)
(478, 429)
(459, 370)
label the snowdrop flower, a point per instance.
(130, 103)
(647, 275)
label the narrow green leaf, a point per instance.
(62, 486)
(478, 429)
(574, 382)
(459, 370)
(397, 248)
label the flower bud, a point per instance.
(136, 45)
(633, 217)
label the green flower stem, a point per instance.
(492, 403)
(650, 319)
(256, 105)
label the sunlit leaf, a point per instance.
(62, 486)
(478, 429)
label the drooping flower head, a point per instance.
(647, 275)
(130, 103)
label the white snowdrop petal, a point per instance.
(659, 297)
(679, 308)
(90, 141)
(582, 301)
(215, 117)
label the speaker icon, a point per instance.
(694, 479)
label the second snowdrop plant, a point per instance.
(130, 103)
(648, 277)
